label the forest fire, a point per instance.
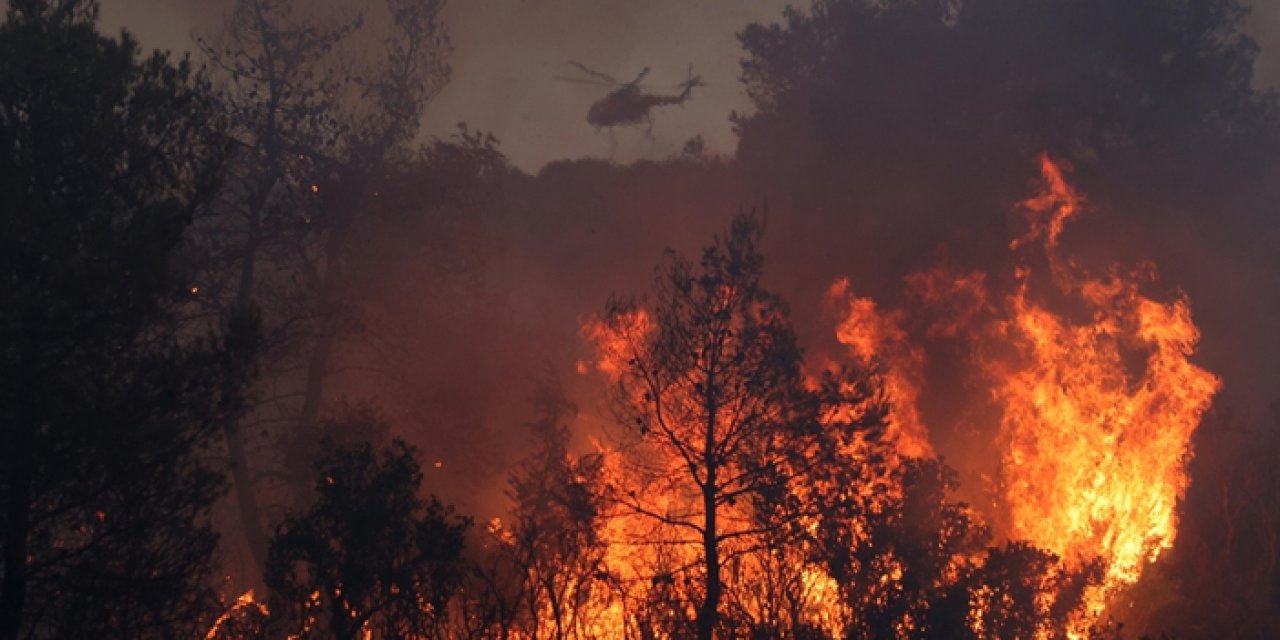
(312, 332)
(1096, 418)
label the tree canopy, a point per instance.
(109, 400)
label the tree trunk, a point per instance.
(708, 613)
(246, 498)
(19, 477)
(13, 585)
(305, 437)
(241, 474)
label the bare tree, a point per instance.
(711, 388)
(278, 96)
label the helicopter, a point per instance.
(628, 104)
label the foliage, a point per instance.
(318, 188)
(109, 402)
(553, 533)
(714, 391)
(370, 554)
(1086, 80)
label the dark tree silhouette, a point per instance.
(911, 562)
(320, 139)
(553, 536)
(109, 402)
(896, 550)
(711, 383)
(370, 554)
(282, 118)
(1093, 81)
(372, 146)
(492, 597)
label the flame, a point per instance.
(1096, 415)
(648, 559)
(1048, 211)
(872, 336)
(245, 603)
(1095, 448)
(1094, 410)
(614, 341)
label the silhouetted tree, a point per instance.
(280, 101)
(894, 542)
(109, 401)
(320, 140)
(553, 532)
(1093, 81)
(710, 384)
(370, 555)
(491, 599)
(372, 146)
(912, 562)
(1018, 591)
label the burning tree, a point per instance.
(553, 536)
(720, 418)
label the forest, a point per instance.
(972, 335)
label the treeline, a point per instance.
(192, 255)
(186, 248)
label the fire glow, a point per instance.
(1095, 415)
(1093, 426)
(1094, 454)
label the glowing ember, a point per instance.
(245, 604)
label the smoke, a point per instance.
(583, 231)
(918, 160)
(508, 54)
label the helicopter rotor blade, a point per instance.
(603, 77)
(695, 81)
(692, 80)
(588, 81)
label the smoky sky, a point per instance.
(507, 54)
(567, 255)
(581, 232)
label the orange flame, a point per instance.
(1096, 447)
(1048, 211)
(1096, 415)
(874, 337)
(242, 604)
